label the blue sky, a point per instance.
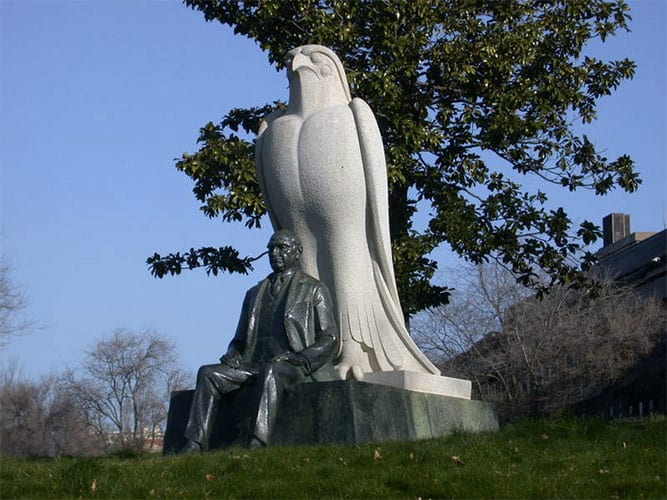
(97, 100)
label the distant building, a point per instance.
(150, 440)
(639, 260)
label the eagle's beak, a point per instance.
(301, 61)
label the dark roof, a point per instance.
(639, 259)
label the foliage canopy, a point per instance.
(475, 99)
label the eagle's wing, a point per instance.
(379, 240)
(260, 164)
(375, 172)
(377, 224)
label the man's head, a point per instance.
(284, 251)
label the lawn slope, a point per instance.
(552, 458)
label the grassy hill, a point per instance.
(553, 458)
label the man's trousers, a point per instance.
(215, 381)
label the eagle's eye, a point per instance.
(316, 58)
(326, 70)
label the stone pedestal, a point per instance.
(422, 382)
(343, 411)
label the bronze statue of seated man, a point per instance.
(286, 335)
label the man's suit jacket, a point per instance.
(309, 324)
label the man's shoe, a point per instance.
(189, 448)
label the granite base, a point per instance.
(343, 411)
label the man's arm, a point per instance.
(237, 346)
(326, 332)
(231, 358)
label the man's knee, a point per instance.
(275, 368)
(204, 373)
(283, 371)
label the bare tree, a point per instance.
(533, 356)
(124, 384)
(12, 307)
(37, 418)
(477, 306)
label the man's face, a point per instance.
(283, 253)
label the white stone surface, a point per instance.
(322, 172)
(422, 382)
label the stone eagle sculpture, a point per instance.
(322, 172)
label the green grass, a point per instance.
(554, 458)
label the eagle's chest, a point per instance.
(308, 162)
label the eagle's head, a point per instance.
(311, 66)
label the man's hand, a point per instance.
(231, 359)
(293, 358)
